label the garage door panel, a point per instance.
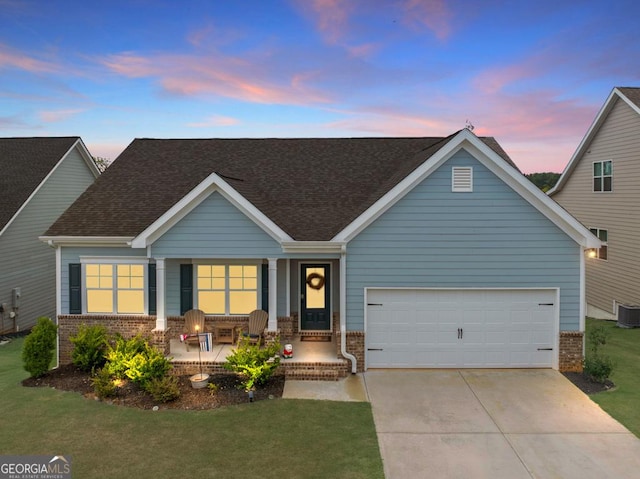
(499, 328)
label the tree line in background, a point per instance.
(544, 181)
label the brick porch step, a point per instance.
(315, 371)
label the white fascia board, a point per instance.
(489, 158)
(55, 241)
(532, 194)
(312, 247)
(213, 183)
(86, 157)
(588, 137)
(401, 189)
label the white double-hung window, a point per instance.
(227, 289)
(115, 287)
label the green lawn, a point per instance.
(622, 403)
(266, 439)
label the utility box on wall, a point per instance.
(15, 298)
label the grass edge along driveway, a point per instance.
(623, 346)
(267, 439)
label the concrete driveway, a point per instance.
(495, 424)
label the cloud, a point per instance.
(54, 116)
(434, 14)
(215, 121)
(261, 81)
(12, 121)
(11, 58)
(331, 17)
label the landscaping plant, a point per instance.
(89, 347)
(143, 364)
(597, 366)
(255, 365)
(39, 347)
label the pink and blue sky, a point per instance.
(533, 74)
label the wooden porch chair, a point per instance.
(193, 318)
(258, 320)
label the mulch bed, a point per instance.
(586, 384)
(70, 378)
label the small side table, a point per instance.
(225, 333)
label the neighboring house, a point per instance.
(599, 187)
(413, 252)
(39, 179)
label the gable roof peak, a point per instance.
(631, 96)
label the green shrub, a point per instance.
(597, 366)
(39, 347)
(90, 346)
(136, 360)
(147, 365)
(163, 389)
(103, 384)
(120, 354)
(255, 365)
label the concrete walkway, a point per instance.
(495, 424)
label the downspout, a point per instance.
(583, 298)
(58, 253)
(343, 311)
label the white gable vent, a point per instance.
(461, 179)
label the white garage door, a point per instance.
(418, 328)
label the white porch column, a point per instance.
(161, 318)
(273, 295)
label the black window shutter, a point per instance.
(186, 288)
(75, 288)
(265, 287)
(152, 288)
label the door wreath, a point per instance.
(315, 281)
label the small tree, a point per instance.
(597, 366)
(39, 347)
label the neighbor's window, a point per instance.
(227, 288)
(602, 175)
(115, 288)
(602, 235)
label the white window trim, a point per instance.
(226, 263)
(602, 177)
(455, 185)
(114, 260)
(604, 243)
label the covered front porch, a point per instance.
(312, 359)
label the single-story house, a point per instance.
(39, 178)
(598, 186)
(411, 252)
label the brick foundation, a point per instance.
(570, 351)
(355, 346)
(127, 326)
(130, 326)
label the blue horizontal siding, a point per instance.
(490, 237)
(216, 229)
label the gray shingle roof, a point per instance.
(631, 93)
(312, 188)
(24, 164)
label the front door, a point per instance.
(315, 308)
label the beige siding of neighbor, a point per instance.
(618, 139)
(26, 262)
